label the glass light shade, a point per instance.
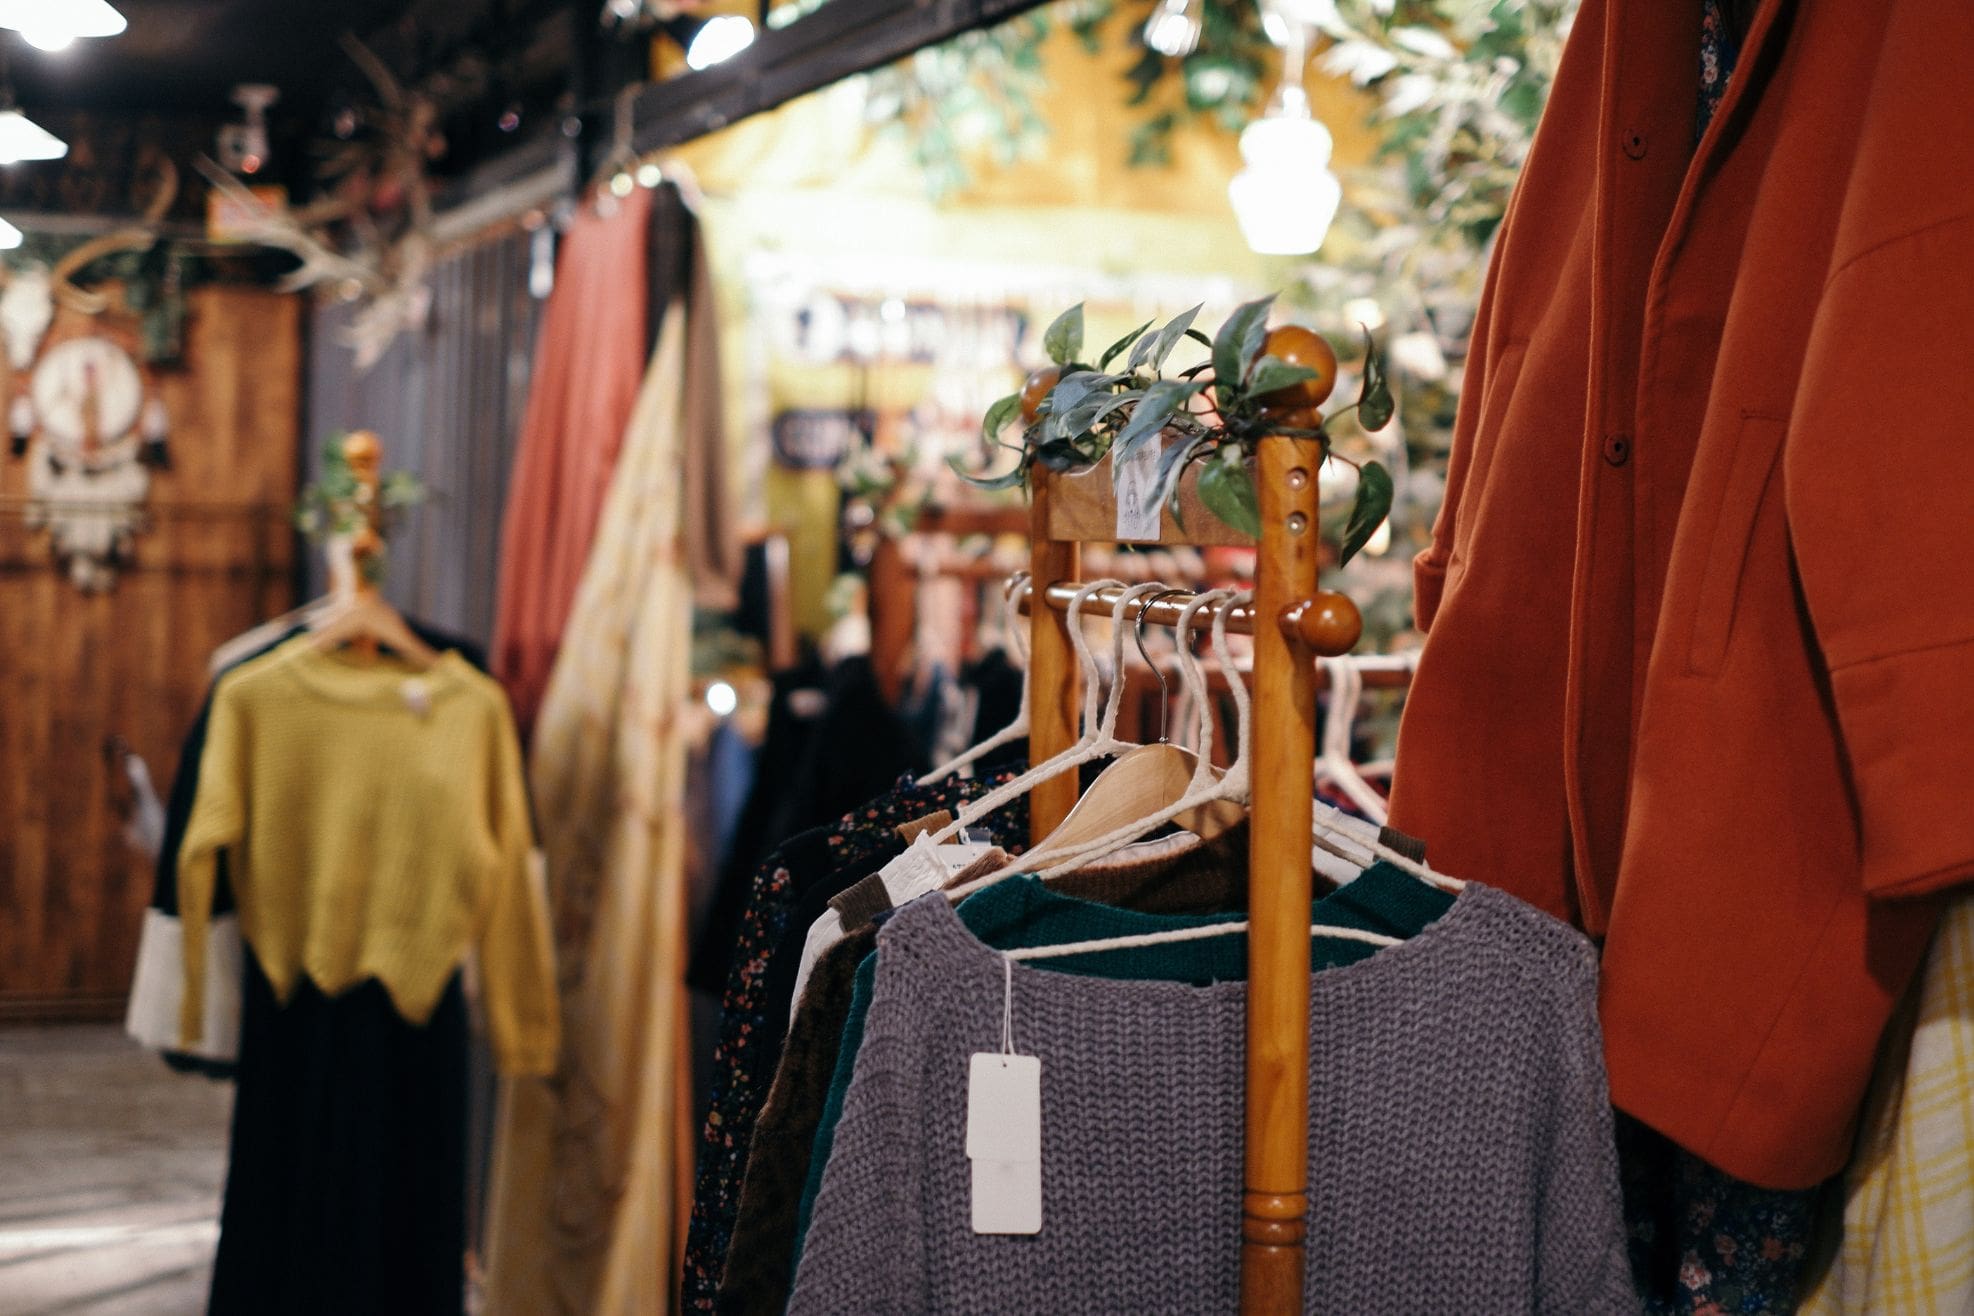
(1287, 197)
(10, 237)
(1174, 27)
(723, 37)
(54, 24)
(21, 138)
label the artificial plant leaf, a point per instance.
(1114, 402)
(1240, 338)
(1008, 481)
(1374, 404)
(1160, 402)
(1200, 338)
(1271, 373)
(1169, 336)
(1082, 417)
(1060, 455)
(1066, 399)
(1236, 344)
(997, 418)
(1064, 339)
(1172, 465)
(1111, 352)
(1227, 489)
(1373, 505)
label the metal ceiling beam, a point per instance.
(841, 38)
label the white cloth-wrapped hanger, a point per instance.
(1334, 763)
(1018, 728)
(1099, 739)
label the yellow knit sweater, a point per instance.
(376, 825)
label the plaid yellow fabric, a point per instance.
(1908, 1231)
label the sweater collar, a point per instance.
(385, 681)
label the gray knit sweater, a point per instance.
(1460, 1148)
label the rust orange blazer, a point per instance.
(1699, 672)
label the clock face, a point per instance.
(87, 394)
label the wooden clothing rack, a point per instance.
(1070, 510)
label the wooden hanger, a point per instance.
(1143, 781)
(361, 621)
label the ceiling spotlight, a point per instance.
(57, 24)
(21, 138)
(719, 39)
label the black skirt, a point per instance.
(347, 1187)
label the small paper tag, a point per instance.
(955, 858)
(417, 696)
(1004, 1142)
(1135, 480)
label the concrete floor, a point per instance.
(111, 1168)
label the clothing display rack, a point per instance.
(1069, 510)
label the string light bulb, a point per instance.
(718, 40)
(1173, 30)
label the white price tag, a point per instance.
(1004, 1142)
(1135, 482)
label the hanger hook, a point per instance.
(623, 126)
(1164, 690)
(1019, 584)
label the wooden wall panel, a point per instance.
(77, 669)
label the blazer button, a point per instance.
(1634, 143)
(1617, 449)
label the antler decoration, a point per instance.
(140, 237)
(279, 227)
(368, 181)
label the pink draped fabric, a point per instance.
(588, 360)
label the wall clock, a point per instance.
(90, 436)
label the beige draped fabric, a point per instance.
(592, 1169)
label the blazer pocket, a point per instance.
(1736, 512)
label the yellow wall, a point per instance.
(813, 179)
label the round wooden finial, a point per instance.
(1328, 623)
(363, 453)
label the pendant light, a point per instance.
(21, 138)
(1286, 197)
(57, 24)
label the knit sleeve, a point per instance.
(218, 820)
(517, 955)
(1582, 1265)
(864, 1250)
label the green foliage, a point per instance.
(1091, 413)
(1064, 339)
(1226, 486)
(333, 504)
(1367, 513)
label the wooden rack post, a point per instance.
(1070, 510)
(363, 453)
